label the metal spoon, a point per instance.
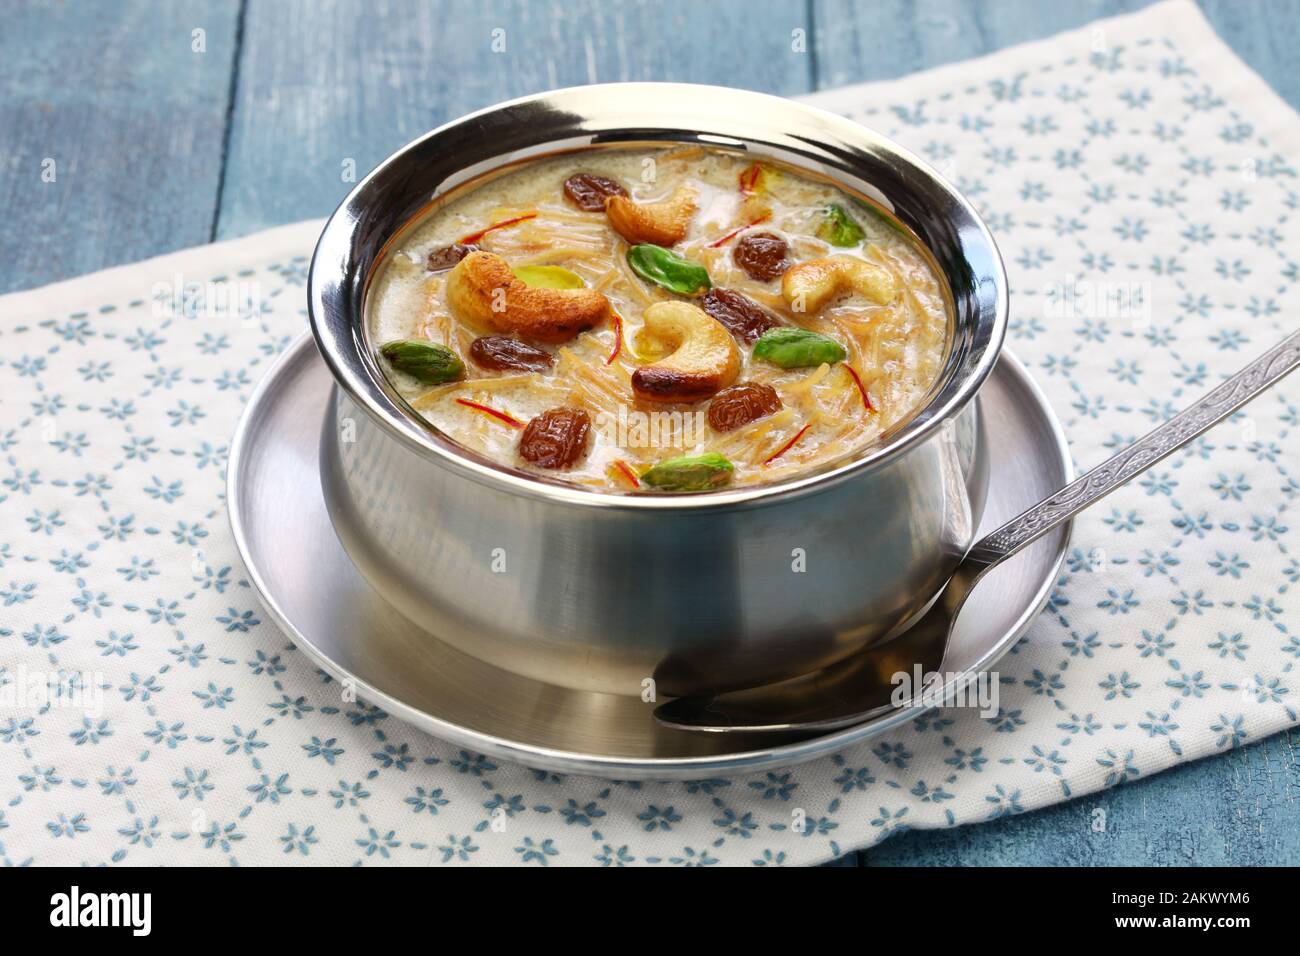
(858, 690)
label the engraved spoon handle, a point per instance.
(1139, 456)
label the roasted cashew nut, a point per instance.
(483, 291)
(704, 361)
(662, 223)
(809, 285)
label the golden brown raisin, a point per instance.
(743, 317)
(741, 404)
(672, 385)
(440, 260)
(762, 255)
(589, 191)
(556, 438)
(499, 353)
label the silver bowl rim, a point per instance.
(731, 121)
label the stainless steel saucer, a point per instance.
(314, 593)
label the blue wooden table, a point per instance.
(176, 122)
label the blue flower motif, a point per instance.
(537, 852)
(656, 818)
(457, 849)
(266, 789)
(325, 749)
(300, 840)
(195, 784)
(222, 837)
(608, 856)
(430, 801)
(374, 843)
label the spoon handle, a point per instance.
(1139, 456)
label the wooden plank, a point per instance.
(322, 84)
(857, 42)
(849, 860)
(132, 120)
(1266, 34)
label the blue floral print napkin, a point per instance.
(1139, 181)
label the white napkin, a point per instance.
(1137, 156)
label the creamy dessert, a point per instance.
(674, 320)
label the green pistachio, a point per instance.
(797, 348)
(429, 362)
(883, 217)
(668, 269)
(690, 473)
(839, 228)
(548, 277)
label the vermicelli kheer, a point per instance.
(666, 320)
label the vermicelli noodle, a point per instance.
(831, 407)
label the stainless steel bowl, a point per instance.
(698, 592)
